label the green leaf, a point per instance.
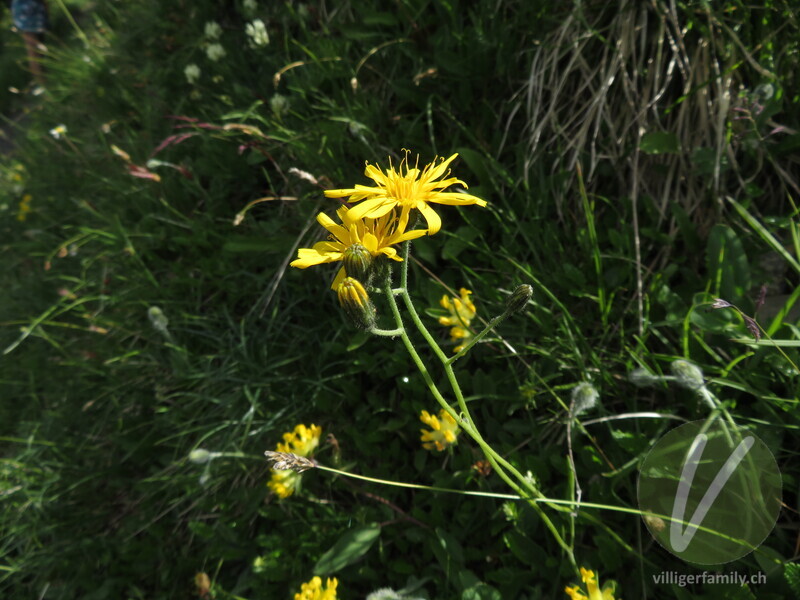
(201, 530)
(379, 18)
(686, 227)
(482, 591)
(659, 142)
(765, 234)
(727, 264)
(348, 549)
(791, 572)
(476, 164)
(448, 552)
(522, 547)
(770, 561)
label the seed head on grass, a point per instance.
(286, 461)
(290, 455)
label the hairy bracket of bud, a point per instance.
(519, 298)
(158, 320)
(357, 261)
(355, 301)
(584, 397)
(687, 375)
(201, 456)
(286, 461)
(642, 377)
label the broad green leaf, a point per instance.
(448, 552)
(791, 573)
(727, 264)
(348, 549)
(481, 591)
(659, 142)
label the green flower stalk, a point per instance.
(370, 230)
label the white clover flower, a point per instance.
(215, 52)
(192, 73)
(249, 6)
(58, 131)
(257, 32)
(213, 30)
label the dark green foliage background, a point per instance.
(99, 498)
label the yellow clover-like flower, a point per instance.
(313, 590)
(24, 207)
(445, 430)
(284, 483)
(462, 311)
(592, 588)
(376, 235)
(302, 441)
(407, 189)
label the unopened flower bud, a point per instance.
(687, 375)
(519, 298)
(279, 105)
(158, 319)
(355, 301)
(357, 262)
(584, 397)
(199, 456)
(654, 523)
(642, 377)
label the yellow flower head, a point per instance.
(24, 207)
(302, 441)
(313, 590)
(376, 235)
(462, 311)
(592, 588)
(445, 430)
(407, 189)
(284, 483)
(203, 585)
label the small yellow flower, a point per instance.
(203, 585)
(302, 441)
(592, 588)
(313, 590)
(24, 207)
(462, 311)
(284, 483)
(376, 235)
(58, 131)
(445, 430)
(412, 189)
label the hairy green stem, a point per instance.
(526, 490)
